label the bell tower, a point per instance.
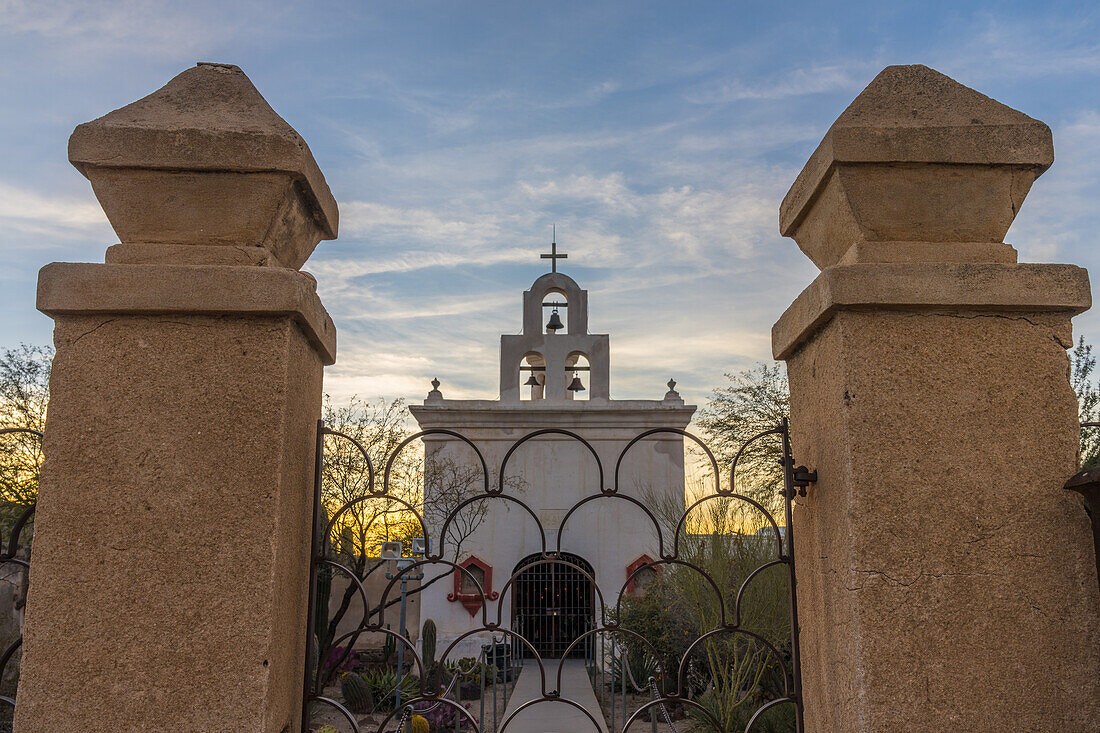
(554, 376)
(553, 359)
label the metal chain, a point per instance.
(404, 719)
(664, 710)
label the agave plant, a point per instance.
(382, 684)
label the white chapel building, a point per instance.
(554, 375)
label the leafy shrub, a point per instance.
(656, 617)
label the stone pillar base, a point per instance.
(945, 577)
(172, 534)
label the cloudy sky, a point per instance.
(659, 137)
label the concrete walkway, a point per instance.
(554, 717)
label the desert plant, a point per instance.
(427, 642)
(324, 593)
(656, 616)
(727, 540)
(442, 717)
(356, 693)
(427, 645)
(383, 683)
(337, 662)
(418, 724)
(326, 729)
(389, 646)
(780, 719)
(469, 669)
(639, 667)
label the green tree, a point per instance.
(1082, 366)
(753, 401)
(434, 489)
(24, 394)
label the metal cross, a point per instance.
(554, 256)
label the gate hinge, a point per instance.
(801, 477)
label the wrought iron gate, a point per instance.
(780, 660)
(553, 604)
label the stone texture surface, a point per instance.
(946, 580)
(916, 157)
(930, 286)
(87, 288)
(171, 540)
(205, 161)
(171, 552)
(887, 251)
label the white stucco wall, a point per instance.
(556, 473)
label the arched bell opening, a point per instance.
(553, 603)
(555, 311)
(532, 377)
(578, 377)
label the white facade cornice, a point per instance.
(578, 416)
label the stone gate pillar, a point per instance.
(171, 546)
(945, 578)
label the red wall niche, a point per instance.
(465, 589)
(633, 586)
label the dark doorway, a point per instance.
(552, 603)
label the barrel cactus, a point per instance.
(418, 724)
(357, 695)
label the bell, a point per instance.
(575, 385)
(532, 381)
(555, 322)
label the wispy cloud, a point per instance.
(1013, 49)
(124, 27)
(796, 83)
(31, 212)
(659, 140)
(1060, 214)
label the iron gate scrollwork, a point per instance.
(784, 668)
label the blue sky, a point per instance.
(660, 137)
